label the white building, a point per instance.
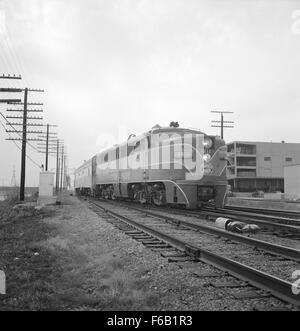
(259, 165)
(292, 181)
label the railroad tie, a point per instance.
(232, 284)
(250, 294)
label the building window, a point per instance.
(267, 158)
(246, 149)
(288, 159)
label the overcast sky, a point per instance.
(110, 68)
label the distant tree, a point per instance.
(174, 124)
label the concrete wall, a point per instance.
(292, 181)
(278, 153)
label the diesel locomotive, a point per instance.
(163, 166)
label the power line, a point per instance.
(24, 125)
(29, 158)
(18, 132)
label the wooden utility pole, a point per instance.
(62, 169)
(24, 130)
(65, 171)
(47, 144)
(22, 133)
(51, 145)
(24, 141)
(57, 166)
(58, 175)
(222, 126)
(13, 182)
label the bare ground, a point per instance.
(68, 258)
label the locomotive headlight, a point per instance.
(206, 157)
(208, 143)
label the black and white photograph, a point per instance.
(149, 158)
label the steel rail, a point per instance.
(214, 212)
(277, 219)
(270, 247)
(284, 251)
(276, 286)
(249, 219)
(275, 212)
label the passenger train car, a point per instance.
(164, 166)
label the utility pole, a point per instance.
(24, 124)
(24, 131)
(24, 134)
(54, 148)
(13, 182)
(65, 171)
(221, 123)
(23, 160)
(62, 169)
(47, 143)
(57, 174)
(57, 166)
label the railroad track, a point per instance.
(283, 227)
(275, 212)
(284, 251)
(256, 215)
(167, 233)
(268, 226)
(272, 225)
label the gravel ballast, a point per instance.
(161, 285)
